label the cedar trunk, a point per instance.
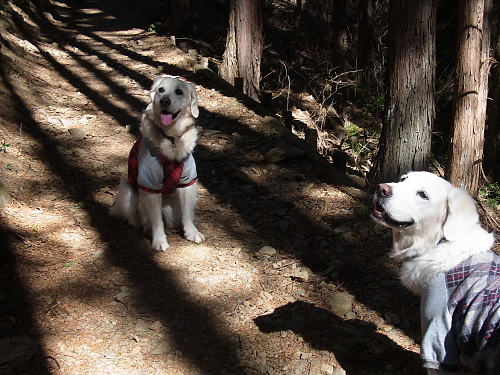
(492, 131)
(470, 91)
(365, 41)
(244, 44)
(405, 142)
(181, 17)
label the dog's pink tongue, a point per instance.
(166, 119)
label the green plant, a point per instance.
(359, 140)
(153, 28)
(374, 104)
(491, 193)
(3, 146)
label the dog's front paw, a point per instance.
(194, 236)
(159, 244)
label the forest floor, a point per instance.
(293, 277)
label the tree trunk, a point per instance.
(244, 44)
(492, 131)
(470, 91)
(405, 142)
(365, 41)
(181, 17)
(340, 41)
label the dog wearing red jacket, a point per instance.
(161, 187)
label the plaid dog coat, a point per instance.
(151, 171)
(461, 316)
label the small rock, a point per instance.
(300, 275)
(156, 326)
(267, 250)
(306, 187)
(163, 348)
(122, 296)
(282, 152)
(80, 152)
(140, 327)
(77, 134)
(392, 318)
(340, 303)
(326, 369)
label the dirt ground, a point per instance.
(292, 279)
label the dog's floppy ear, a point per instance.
(193, 100)
(462, 214)
(154, 86)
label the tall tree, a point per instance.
(492, 131)
(365, 41)
(181, 16)
(465, 151)
(244, 44)
(405, 142)
(340, 32)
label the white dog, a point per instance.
(161, 168)
(445, 258)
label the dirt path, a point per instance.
(293, 277)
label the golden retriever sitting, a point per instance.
(161, 187)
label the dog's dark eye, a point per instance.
(161, 89)
(423, 195)
(403, 177)
(179, 92)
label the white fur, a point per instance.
(152, 210)
(445, 228)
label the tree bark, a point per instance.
(465, 150)
(244, 44)
(340, 40)
(181, 17)
(365, 41)
(492, 131)
(405, 142)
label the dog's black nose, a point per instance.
(165, 101)
(384, 190)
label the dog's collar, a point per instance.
(169, 137)
(441, 241)
(406, 259)
(173, 139)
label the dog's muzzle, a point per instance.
(379, 214)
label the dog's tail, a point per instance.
(125, 206)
